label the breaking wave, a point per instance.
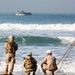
(37, 40)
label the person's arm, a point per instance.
(24, 63)
(44, 60)
(7, 47)
(16, 46)
(34, 61)
(55, 63)
(54, 59)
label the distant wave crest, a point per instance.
(63, 27)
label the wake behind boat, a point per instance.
(22, 13)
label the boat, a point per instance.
(22, 13)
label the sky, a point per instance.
(38, 6)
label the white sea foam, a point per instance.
(66, 67)
(67, 39)
(11, 26)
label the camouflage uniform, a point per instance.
(30, 64)
(11, 48)
(49, 63)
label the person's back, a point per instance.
(49, 63)
(30, 64)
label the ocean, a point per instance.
(38, 33)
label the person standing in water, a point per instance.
(11, 47)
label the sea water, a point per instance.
(38, 33)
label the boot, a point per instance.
(33, 73)
(10, 73)
(28, 73)
(5, 73)
(45, 74)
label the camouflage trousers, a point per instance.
(9, 63)
(45, 67)
(27, 71)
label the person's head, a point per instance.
(11, 37)
(29, 54)
(49, 52)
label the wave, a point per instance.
(34, 40)
(37, 40)
(16, 26)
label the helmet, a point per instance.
(29, 54)
(49, 52)
(11, 37)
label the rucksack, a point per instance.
(11, 47)
(29, 63)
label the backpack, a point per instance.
(53, 65)
(11, 47)
(29, 63)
